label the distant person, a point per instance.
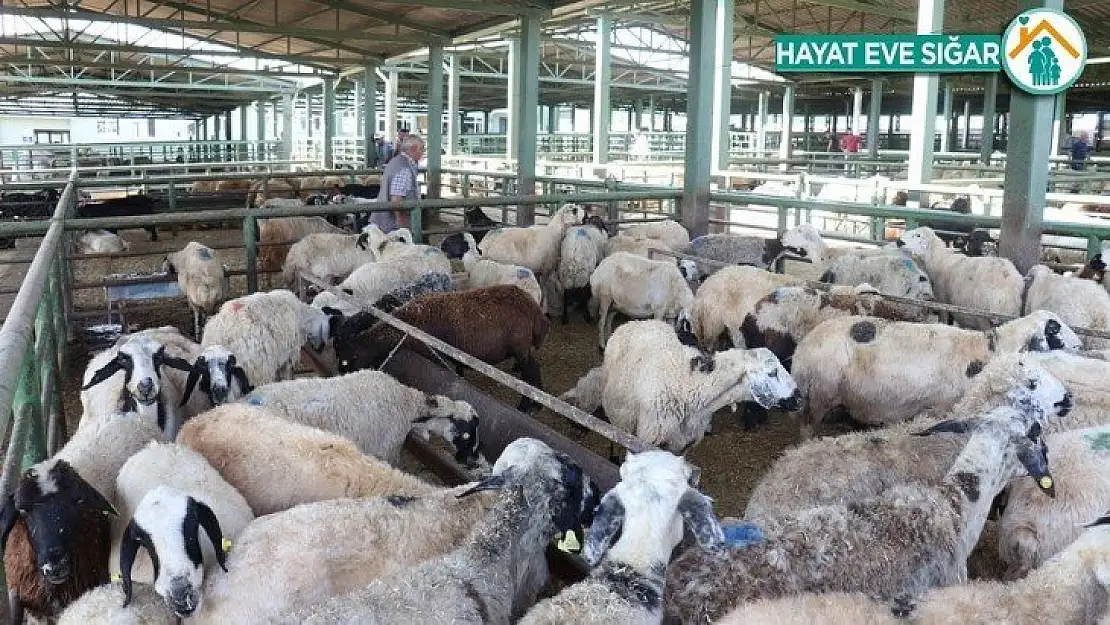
(831, 144)
(401, 135)
(399, 183)
(850, 143)
(1080, 151)
(641, 146)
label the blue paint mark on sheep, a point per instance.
(580, 232)
(523, 273)
(254, 400)
(908, 264)
(204, 253)
(742, 534)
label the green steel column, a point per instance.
(243, 123)
(946, 137)
(527, 101)
(965, 141)
(1059, 129)
(435, 121)
(856, 123)
(873, 115)
(328, 124)
(786, 138)
(512, 126)
(227, 127)
(761, 122)
(308, 114)
(990, 97)
(250, 245)
(722, 83)
(603, 77)
(391, 107)
(454, 121)
(260, 129)
(1023, 192)
(369, 115)
(28, 405)
(287, 127)
(699, 117)
(923, 117)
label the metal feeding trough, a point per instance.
(119, 289)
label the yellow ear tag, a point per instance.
(226, 545)
(116, 577)
(569, 542)
(1046, 482)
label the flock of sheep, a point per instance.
(307, 517)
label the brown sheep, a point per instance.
(492, 324)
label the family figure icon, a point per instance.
(1044, 67)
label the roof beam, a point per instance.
(142, 84)
(23, 61)
(485, 6)
(397, 20)
(866, 7)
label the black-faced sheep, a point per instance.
(491, 324)
(882, 372)
(1080, 303)
(724, 301)
(398, 297)
(477, 223)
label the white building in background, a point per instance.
(27, 130)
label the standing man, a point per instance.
(399, 183)
(1080, 151)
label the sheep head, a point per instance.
(215, 369)
(55, 502)
(770, 384)
(803, 240)
(1016, 380)
(919, 241)
(141, 359)
(167, 523)
(455, 421)
(1039, 331)
(656, 497)
(567, 216)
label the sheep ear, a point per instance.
(1034, 457)
(362, 240)
(608, 521)
(8, 516)
(493, 482)
(951, 426)
(1102, 520)
(697, 510)
(110, 368)
(174, 362)
(199, 369)
(134, 537)
(240, 375)
(87, 496)
(211, 525)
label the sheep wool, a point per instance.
(668, 231)
(103, 605)
(638, 287)
(482, 272)
(535, 247)
(1080, 303)
(725, 299)
(101, 242)
(326, 257)
(202, 276)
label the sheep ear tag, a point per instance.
(225, 545)
(569, 542)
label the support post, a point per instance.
(923, 117)
(328, 133)
(260, 129)
(435, 121)
(369, 116)
(512, 121)
(391, 108)
(602, 113)
(699, 117)
(786, 138)
(308, 114)
(990, 97)
(454, 121)
(857, 110)
(1023, 193)
(873, 115)
(287, 127)
(243, 124)
(527, 102)
(722, 83)
(761, 123)
(946, 113)
(1059, 128)
(227, 126)
(965, 142)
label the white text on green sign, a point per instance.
(888, 53)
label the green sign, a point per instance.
(888, 53)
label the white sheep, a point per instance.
(266, 332)
(639, 245)
(370, 282)
(1069, 589)
(202, 277)
(669, 232)
(665, 393)
(483, 272)
(1079, 302)
(373, 410)
(981, 282)
(1085, 376)
(645, 515)
(166, 494)
(275, 236)
(638, 287)
(583, 248)
(725, 300)
(101, 242)
(326, 257)
(103, 605)
(535, 247)
(244, 443)
(882, 372)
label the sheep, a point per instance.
(326, 257)
(1085, 376)
(372, 281)
(398, 297)
(483, 272)
(1080, 303)
(638, 245)
(373, 410)
(262, 191)
(494, 576)
(583, 248)
(491, 323)
(984, 283)
(398, 244)
(55, 526)
(665, 393)
(315, 551)
(669, 232)
(733, 249)
(103, 605)
(221, 378)
(882, 372)
(129, 376)
(245, 442)
(101, 242)
(725, 299)
(127, 206)
(787, 314)
(1069, 589)
(850, 467)
(202, 277)
(1093, 269)
(644, 514)
(906, 539)
(476, 220)
(1031, 531)
(535, 247)
(266, 331)
(638, 287)
(165, 494)
(276, 236)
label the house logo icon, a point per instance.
(1044, 51)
